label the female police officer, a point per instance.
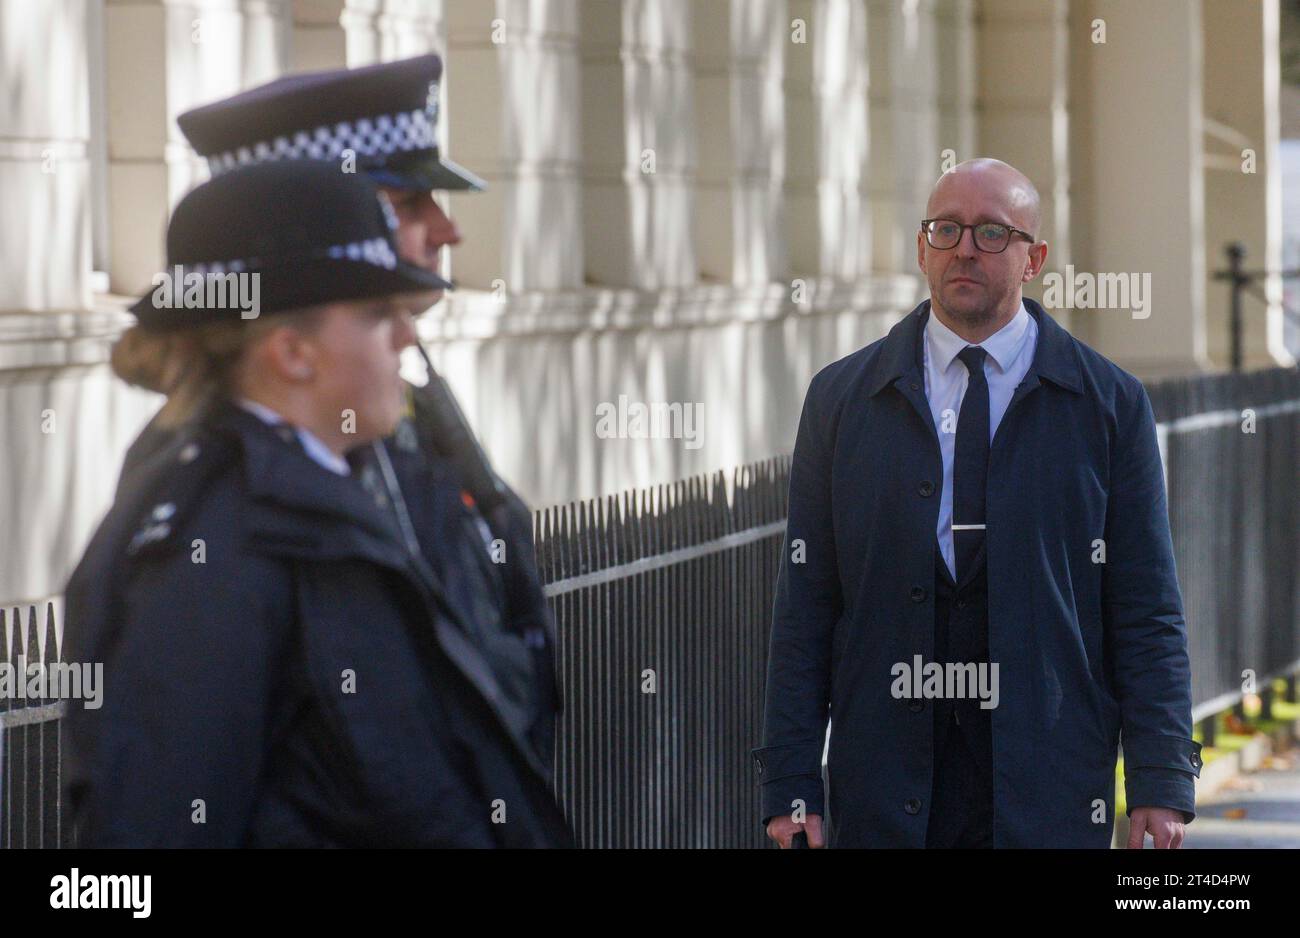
(473, 530)
(281, 666)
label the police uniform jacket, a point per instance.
(281, 670)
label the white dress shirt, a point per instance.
(318, 451)
(1010, 353)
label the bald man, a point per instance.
(977, 590)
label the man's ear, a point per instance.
(1037, 259)
(920, 251)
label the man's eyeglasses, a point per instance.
(990, 237)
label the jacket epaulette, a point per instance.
(168, 487)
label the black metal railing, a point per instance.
(1231, 448)
(1242, 281)
(31, 737)
(663, 601)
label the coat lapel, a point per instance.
(901, 364)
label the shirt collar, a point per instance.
(311, 443)
(1002, 346)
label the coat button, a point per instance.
(918, 594)
(189, 452)
(916, 706)
(926, 488)
(961, 604)
(1195, 759)
(912, 805)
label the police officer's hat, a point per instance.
(386, 115)
(311, 232)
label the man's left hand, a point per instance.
(1165, 826)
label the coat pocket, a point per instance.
(1106, 708)
(846, 644)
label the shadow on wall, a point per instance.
(534, 399)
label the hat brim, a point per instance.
(295, 286)
(426, 174)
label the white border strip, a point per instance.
(1212, 420)
(1218, 418)
(1224, 701)
(681, 555)
(25, 716)
(1222, 418)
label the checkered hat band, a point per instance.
(367, 137)
(374, 251)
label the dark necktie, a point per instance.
(970, 463)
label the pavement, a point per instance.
(1257, 810)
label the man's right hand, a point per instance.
(783, 829)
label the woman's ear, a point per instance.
(288, 355)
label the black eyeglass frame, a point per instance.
(1011, 229)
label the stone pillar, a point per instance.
(384, 30)
(1145, 197)
(956, 90)
(44, 133)
(514, 118)
(740, 48)
(1243, 180)
(908, 84)
(826, 114)
(162, 59)
(638, 143)
(1024, 76)
(318, 40)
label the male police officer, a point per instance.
(474, 531)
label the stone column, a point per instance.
(908, 83)
(44, 133)
(1243, 180)
(164, 57)
(1024, 75)
(638, 143)
(383, 30)
(318, 40)
(514, 118)
(740, 49)
(826, 114)
(1144, 200)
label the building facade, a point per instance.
(692, 205)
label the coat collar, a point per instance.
(1003, 346)
(1055, 357)
(346, 521)
(311, 443)
(279, 472)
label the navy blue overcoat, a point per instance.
(1085, 618)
